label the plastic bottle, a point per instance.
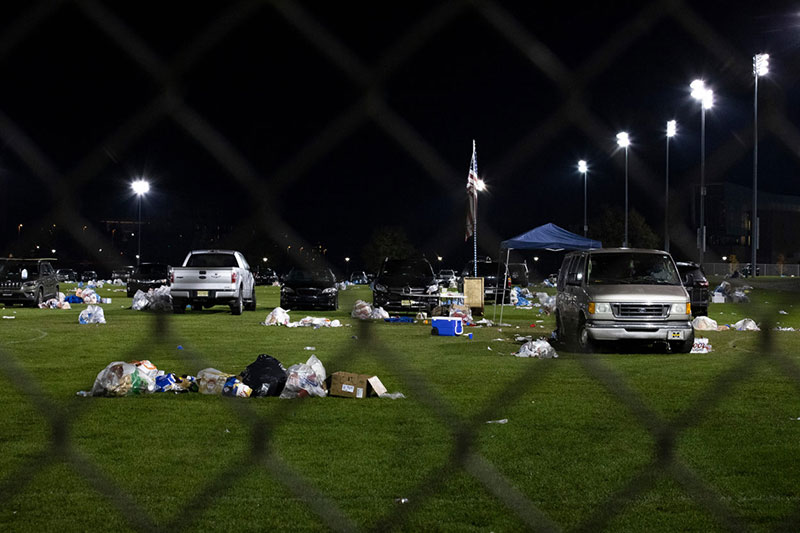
(309, 348)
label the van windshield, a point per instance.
(631, 268)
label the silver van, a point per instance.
(613, 294)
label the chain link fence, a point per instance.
(370, 104)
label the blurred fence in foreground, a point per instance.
(368, 105)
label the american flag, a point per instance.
(472, 193)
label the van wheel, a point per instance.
(582, 339)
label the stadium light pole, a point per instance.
(760, 68)
(583, 169)
(672, 128)
(706, 98)
(624, 141)
(140, 188)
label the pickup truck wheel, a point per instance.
(251, 305)
(238, 306)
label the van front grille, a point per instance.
(640, 310)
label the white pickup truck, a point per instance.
(213, 277)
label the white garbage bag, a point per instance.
(277, 317)
(746, 324)
(309, 377)
(140, 301)
(93, 314)
(540, 349)
(361, 310)
(703, 323)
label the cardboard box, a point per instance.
(717, 298)
(349, 385)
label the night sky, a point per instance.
(262, 125)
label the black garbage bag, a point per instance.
(266, 376)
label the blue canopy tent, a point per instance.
(546, 237)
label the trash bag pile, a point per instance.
(56, 303)
(159, 300)
(364, 311)
(540, 349)
(463, 312)
(280, 317)
(518, 298)
(546, 303)
(738, 295)
(266, 376)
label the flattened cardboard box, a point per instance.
(349, 385)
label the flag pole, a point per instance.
(475, 222)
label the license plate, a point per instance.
(675, 335)
(7, 294)
(202, 293)
(405, 303)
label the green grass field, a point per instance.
(632, 441)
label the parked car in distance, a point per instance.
(148, 276)
(67, 275)
(89, 275)
(122, 273)
(447, 277)
(309, 288)
(519, 274)
(27, 281)
(359, 278)
(488, 270)
(264, 275)
(696, 284)
(622, 294)
(405, 285)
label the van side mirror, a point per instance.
(574, 278)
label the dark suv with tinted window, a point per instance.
(27, 281)
(696, 284)
(405, 285)
(148, 276)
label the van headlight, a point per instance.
(596, 308)
(681, 309)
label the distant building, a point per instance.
(729, 210)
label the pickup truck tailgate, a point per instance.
(210, 278)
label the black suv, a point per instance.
(696, 284)
(27, 281)
(66, 274)
(405, 285)
(309, 288)
(265, 275)
(148, 276)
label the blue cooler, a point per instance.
(447, 326)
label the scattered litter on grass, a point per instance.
(315, 322)
(520, 338)
(392, 395)
(9, 317)
(501, 421)
(484, 322)
(784, 329)
(310, 348)
(401, 500)
(782, 312)
(701, 345)
(540, 349)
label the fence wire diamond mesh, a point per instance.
(369, 103)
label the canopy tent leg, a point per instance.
(505, 277)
